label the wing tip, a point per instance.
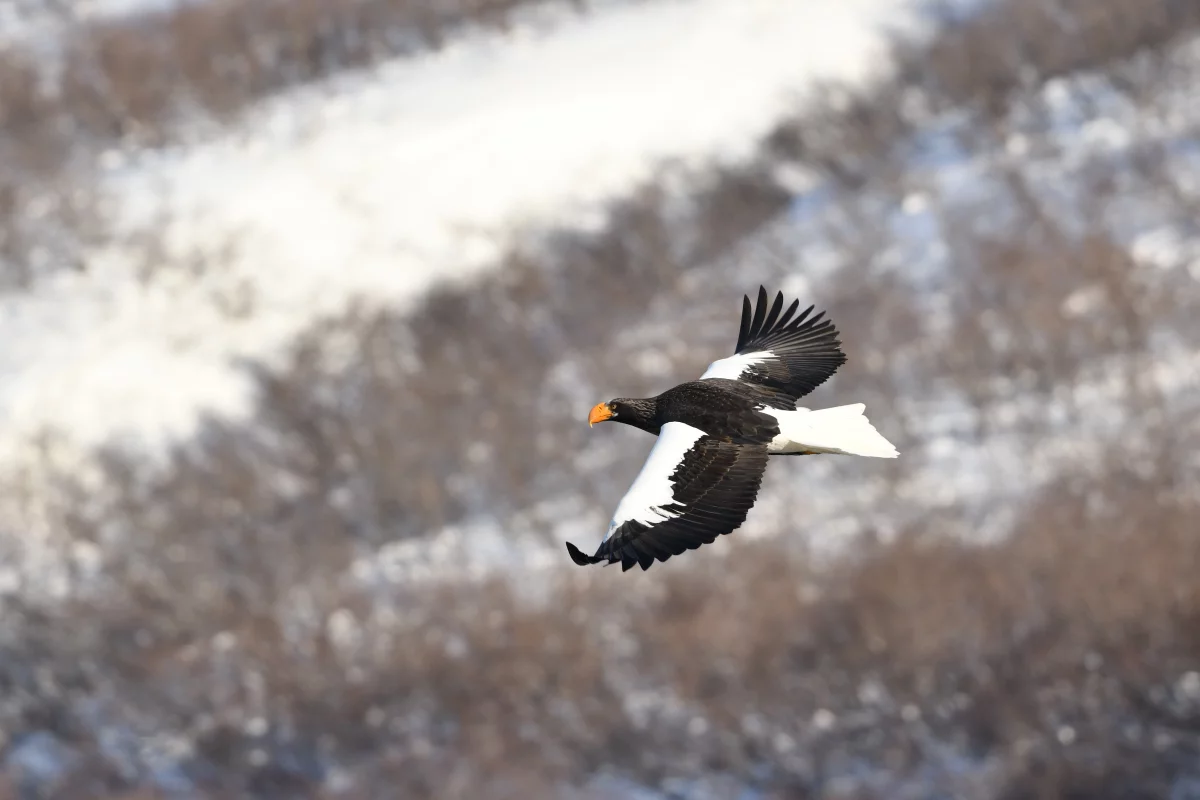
(767, 317)
(627, 560)
(581, 558)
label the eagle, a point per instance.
(716, 433)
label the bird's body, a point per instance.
(715, 435)
(719, 407)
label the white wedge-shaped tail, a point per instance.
(843, 429)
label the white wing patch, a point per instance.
(652, 488)
(733, 366)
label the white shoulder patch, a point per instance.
(652, 488)
(733, 366)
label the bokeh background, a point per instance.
(303, 304)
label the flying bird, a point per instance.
(715, 434)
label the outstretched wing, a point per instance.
(692, 489)
(789, 356)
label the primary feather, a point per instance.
(779, 350)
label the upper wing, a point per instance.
(790, 356)
(692, 489)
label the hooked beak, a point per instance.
(600, 412)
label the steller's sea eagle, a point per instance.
(714, 435)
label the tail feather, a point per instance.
(842, 429)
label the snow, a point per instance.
(378, 184)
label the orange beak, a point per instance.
(600, 412)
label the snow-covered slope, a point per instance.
(377, 184)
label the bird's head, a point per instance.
(638, 413)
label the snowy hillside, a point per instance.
(378, 184)
(355, 585)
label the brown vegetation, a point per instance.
(1060, 661)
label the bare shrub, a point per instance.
(970, 64)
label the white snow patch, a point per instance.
(1083, 301)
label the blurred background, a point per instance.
(303, 304)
